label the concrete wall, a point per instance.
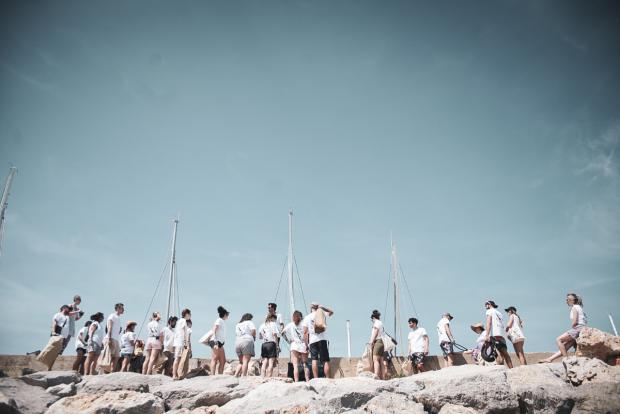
(17, 365)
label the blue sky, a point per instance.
(485, 136)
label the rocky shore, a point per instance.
(575, 385)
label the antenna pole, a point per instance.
(395, 282)
(172, 282)
(4, 201)
(349, 339)
(291, 292)
(613, 325)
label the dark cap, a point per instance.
(490, 302)
(511, 309)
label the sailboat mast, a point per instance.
(395, 283)
(291, 292)
(4, 202)
(172, 294)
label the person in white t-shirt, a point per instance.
(378, 347)
(514, 331)
(181, 340)
(495, 330)
(154, 343)
(94, 343)
(168, 350)
(293, 333)
(80, 348)
(272, 310)
(269, 333)
(245, 334)
(60, 325)
(113, 335)
(317, 341)
(218, 356)
(128, 343)
(446, 339)
(418, 345)
(578, 321)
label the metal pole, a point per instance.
(395, 282)
(171, 284)
(349, 338)
(613, 325)
(291, 292)
(4, 201)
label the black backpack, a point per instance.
(488, 351)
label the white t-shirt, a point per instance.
(269, 331)
(279, 321)
(179, 332)
(62, 321)
(482, 337)
(309, 323)
(294, 333)
(126, 342)
(220, 334)
(168, 339)
(80, 343)
(441, 330)
(416, 339)
(154, 329)
(244, 329)
(379, 325)
(497, 324)
(581, 316)
(98, 333)
(116, 326)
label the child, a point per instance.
(128, 343)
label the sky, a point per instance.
(483, 135)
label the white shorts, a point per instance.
(152, 343)
(299, 347)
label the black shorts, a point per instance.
(219, 344)
(319, 351)
(500, 342)
(269, 350)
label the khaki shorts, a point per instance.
(115, 348)
(378, 348)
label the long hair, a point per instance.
(246, 317)
(578, 300)
(222, 311)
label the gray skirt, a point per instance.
(244, 346)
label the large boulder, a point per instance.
(482, 388)
(46, 379)
(594, 343)
(198, 392)
(62, 390)
(542, 388)
(580, 370)
(120, 381)
(17, 396)
(390, 403)
(334, 396)
(599, 398)
(109, 402)
(273, 397)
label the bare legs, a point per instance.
(296, 357)
(218, 359)
(379, 366)
(519, 351)
(565, 342)
(449, 358)
(267, 367)
(90, 366)
(78, 365)
(149, 361)
(242, 369)
(126, 363)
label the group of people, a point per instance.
(492, 332)
(165, 346)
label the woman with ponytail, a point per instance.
(578, 321)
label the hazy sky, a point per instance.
(485, 135)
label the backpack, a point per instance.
(320, 324)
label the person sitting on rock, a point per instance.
(478, 328)
(578, 321)
(446, 339)
(495, 330)
(418, 345)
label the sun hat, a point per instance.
(476, 326)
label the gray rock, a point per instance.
(482, 388)
(599, 398)
(273, 397)
(17, 396)
(48, 379)
(389, 403)
(198, 391)
(580, 370)
(110, 402)
(456, 409)
(541, 388)
(347, 393)
(62, 390)
(120, 381)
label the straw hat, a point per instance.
(476, 326)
